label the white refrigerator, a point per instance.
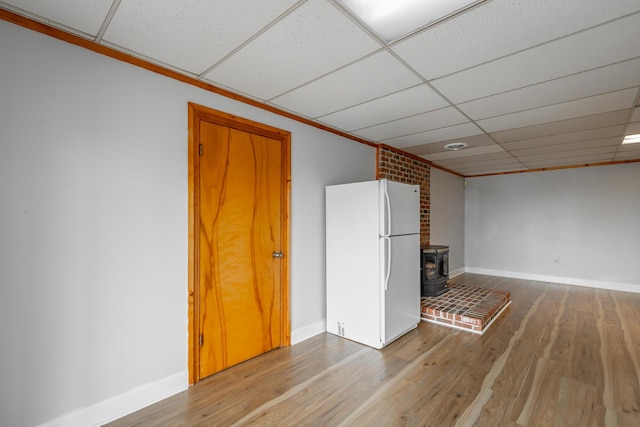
(373, 260)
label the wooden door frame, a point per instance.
(196, 113)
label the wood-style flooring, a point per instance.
(558, 356)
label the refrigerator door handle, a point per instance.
(387, 205)
(388, 266)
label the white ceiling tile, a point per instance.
(628, 151)
(635, 117)
(613, 118)
(629, 148)
(567, 139)
(375, 76)
(572, 147)
(86, 16)
(441, 118)
(567, 110)
(437, 147)
(481, 166)
(190, 35)
(409, 102)
(464, 152)
(580, 52)
(501, 157)
(633, 129)
(601, 80)
(610, 149)
(313, 40)
(578, 160)
(502, 27)
(458, 131)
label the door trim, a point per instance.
(197, 113)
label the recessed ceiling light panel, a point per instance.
(392, 19)
(632, 139)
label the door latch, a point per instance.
(277, 255)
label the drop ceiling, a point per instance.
(527, 85)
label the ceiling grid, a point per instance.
(525, 85)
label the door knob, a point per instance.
(277, 255)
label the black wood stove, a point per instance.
(434, 270)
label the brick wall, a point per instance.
(401, 167)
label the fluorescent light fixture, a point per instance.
(632, 139)
(392, 19)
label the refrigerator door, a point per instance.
(399, 208)
(352, 257)
(401, 295)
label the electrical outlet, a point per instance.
(556, 260)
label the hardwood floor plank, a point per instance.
(414, 390)
(510, 370)
(559, 356)
(542, 401)
(423, 369)
(620, 384)
(497, 411)
(533, 393)
(605, 381)
(577, 405)
(626, 391)
(628, 309)
(553, 323)
(462, 392)
(301, 389)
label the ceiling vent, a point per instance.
(455, 146)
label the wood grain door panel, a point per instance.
(239, 231)
(240, 305)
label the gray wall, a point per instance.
(587, 219)
(447, 216)
(93, 229)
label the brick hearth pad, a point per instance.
(465, 307)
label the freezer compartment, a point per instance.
(399, 208)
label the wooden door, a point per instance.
(240, 220)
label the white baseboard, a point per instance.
(306, 332)
(124, 404)
(625, 287)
